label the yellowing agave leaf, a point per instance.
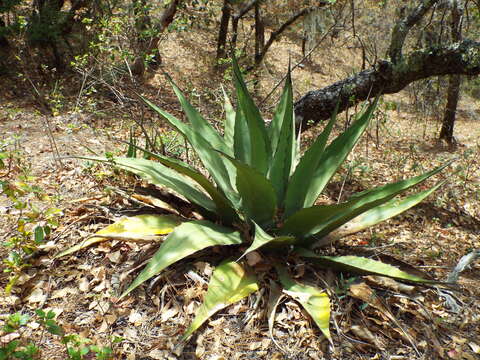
(230, 283)
(132, 227)
(185, 240)
(315, 301)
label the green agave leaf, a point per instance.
(230, 283)
(283, 114)
(223, 207)
(322, 219)
(378, 214)
(186, 239)
(241, 138)
(199, 124)
(335, 154)
(262, 238)
(131, 227)
(313, 300)
(256, 192)
(361, 265)
(230, 116)
(283, 142)
(132, 150)
(158, 174)
(258, 153)
(296, 197)
(221, 171)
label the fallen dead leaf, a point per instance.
(103, 327)
(204, 267)
(475, 348)
(84, 284)
(158, 354)
(390, 284)
(130, 334)
(115, 257)
(168, 314)
(253, 258)
(135, 318)
(366, 335)
(37, 296)
(101, 306)
(61, 293)
(9, 337)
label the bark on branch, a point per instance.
(403, 26)
(387, 77)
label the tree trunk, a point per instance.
(151, 46)
(451, 109)
(3, 39)
(259, 34)
(235, 21)
(454, 81)
(236, 18)
(223, 31)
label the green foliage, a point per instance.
(263, 195)
(76, 347)
(33, 225)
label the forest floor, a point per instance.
(371, 318)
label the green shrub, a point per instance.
(22, 347)
(261, 196)
(33, 224)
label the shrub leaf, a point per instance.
(321, 219)
(221, 171)
(223, 207)
(159, 174)
(379, 214)
(258, 200)
(229, 131)
(262, 238)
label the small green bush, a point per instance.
(21, 347)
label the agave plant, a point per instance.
(261, 196)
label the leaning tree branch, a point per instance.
(387, 77)
(403, 26)
(274, 35)
(249, 6)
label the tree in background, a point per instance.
(122, 38)
(262, 10)
(455, 56)
(454, 82)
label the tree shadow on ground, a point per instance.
(448, 218)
